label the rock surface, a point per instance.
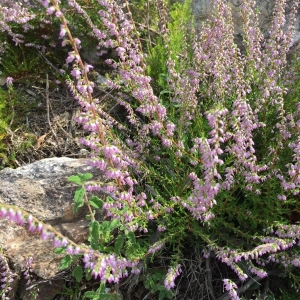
(42, 189)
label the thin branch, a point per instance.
(208, 278)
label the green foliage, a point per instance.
(96, 202)
(291, 98)
(171, 48)
(80, 193)
(154, 282)
(144, 13)
(21, 63)
(79, 198)
(102, 293)
(72, 292)
(68, 260)
(80, 179)
(4, 98)
(78, 273)
(102, 235)
(12, 108)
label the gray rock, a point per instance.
(42, 189)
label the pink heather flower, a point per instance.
(70, 250)
(30, 219)
(76, 73)
(58, 14)
(113, 173)
(45, 3)
(90, 89)
(11, 214)
(259, 272)
(161, 228)
(109, 151)
(156, 247)
(57, 242)
(87, 68)
(64, 242)
(44, 235)
(50, 10)
(231, 287)
(171, 276)
(71, 57)
(63, 31)
(77, 42)
(166, 142)
(32, 227)
(3, 212)
(19, 218)
(9, 81)
(39, 227)
(170, 128)
(76, 251)
(281, 197)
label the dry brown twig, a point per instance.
(48, 112)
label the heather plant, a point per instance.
(212, 164)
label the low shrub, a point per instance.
(205, 161)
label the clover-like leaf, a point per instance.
(96, 202)
(75, 179)
(78, 198)
(77, 273)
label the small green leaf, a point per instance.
(105, 226)
(78, 205)
(109, 199)
(103, 296)
(65, 262)
(158, 275)
(94, 234)
(254, 286)
(89, 294)
(152, 284)
(124, 209)
(75, 179)
(96, 202)
(161, 295)
(131, 237)
(88, 275)
(79, 194)
(164, 92)
(108, 249)
(119, 244)
(77, 273)
(78, 198)
(80, 179)
(101, 288)
(85, 177)
(169, 294)
(59, 250)
(114, 224)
